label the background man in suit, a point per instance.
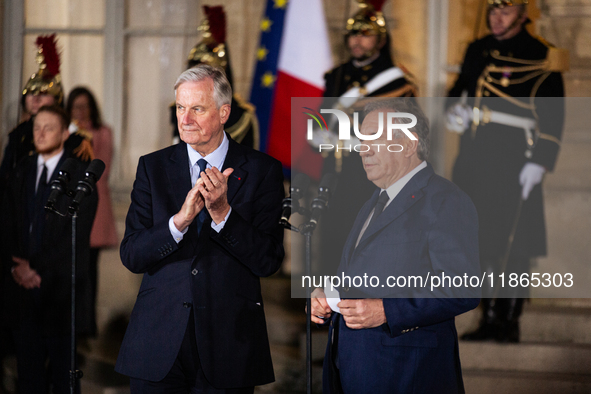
(418, 223)
(36, 250)
(202, 228)
(513, 83)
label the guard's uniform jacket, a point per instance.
(515, 80)
(346, 76)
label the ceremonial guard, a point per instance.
(43, 88)
(370, 72)
(511, 119)
(242, 125)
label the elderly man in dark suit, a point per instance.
(37, 254)
(401, 339)
(202, 228)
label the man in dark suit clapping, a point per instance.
(202, 228)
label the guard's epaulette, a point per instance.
(87, 135)
(543, 41)
(557, 59)
(410, 78)
(84, 151)
(407, 74)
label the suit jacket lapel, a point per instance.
(29, 185)
(179, 174)
(235, 158)
(358, 224)
(408, 196)
(56, 170)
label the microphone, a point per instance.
(296, 191)
(320, 203)
(86, 186)
(58, 186)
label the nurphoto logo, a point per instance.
(350, 142)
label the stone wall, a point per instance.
(567, 24)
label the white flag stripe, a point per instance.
(305, 47)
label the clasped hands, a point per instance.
(24, 275)
(358, 313)
(210, 191)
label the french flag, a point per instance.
(303, 57)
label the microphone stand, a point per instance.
(85, 187)
(307, 230)
(75, 374)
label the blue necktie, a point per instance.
(379, 207)
(202, 163)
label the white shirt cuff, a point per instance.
(176, 234)
(220, 226)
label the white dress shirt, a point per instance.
(51, 164)
(392, 192)
(214, 159)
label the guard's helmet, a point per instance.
(47, 79)
(212, 47)
(505, 3)
(368, 20)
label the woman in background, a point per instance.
(85, 115)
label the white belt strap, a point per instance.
(528, 125)
(351, 96)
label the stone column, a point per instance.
(567, 192)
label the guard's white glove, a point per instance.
(531, 174)
(458, 118)
(323, 137)
(326, 137)
(73, 128)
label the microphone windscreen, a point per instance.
(69, 166)
(301, 181)
(96, 168)
(328, 182)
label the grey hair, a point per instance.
(222, 91)
(406, 104)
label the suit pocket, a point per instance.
(417, 338)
